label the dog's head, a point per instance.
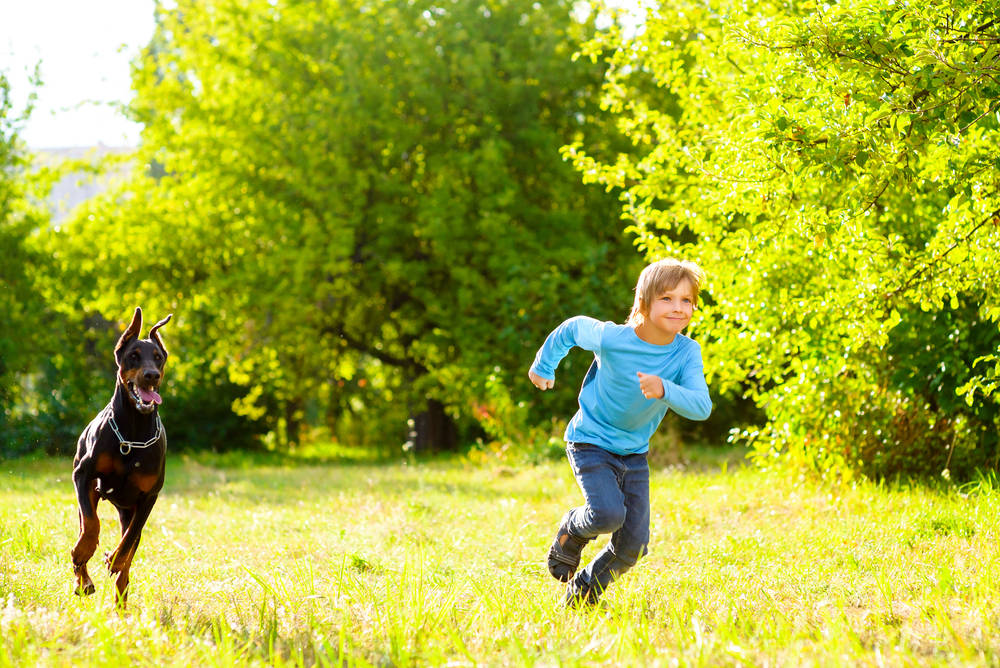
(141, 363)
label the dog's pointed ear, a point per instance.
(131, 332)
(156, 337)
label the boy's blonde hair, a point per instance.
(659, 277)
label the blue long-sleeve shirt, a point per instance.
(613, 413)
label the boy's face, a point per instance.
(671, 311)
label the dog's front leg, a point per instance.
(90, 528)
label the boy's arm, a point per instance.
(579, 331)
(688, 398)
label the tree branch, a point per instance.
(913, 278)
(371, 351)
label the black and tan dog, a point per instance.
(121, 455)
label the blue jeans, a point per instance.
(616, 491)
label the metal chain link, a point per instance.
(125, 447)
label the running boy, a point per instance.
(640, 370)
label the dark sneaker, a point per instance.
(564, 555)
(580, 596)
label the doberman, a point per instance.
(121, 455)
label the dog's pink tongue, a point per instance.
(150, 395)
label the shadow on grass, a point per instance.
(698, 458)
(261, 476)
(278, 479)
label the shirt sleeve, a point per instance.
(689, 398)
(579, 331)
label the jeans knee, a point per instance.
(605, 519)
(626, 557)
(630, 553)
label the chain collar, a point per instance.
(126, 446)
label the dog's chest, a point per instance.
(121, 479)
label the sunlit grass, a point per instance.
(443, 563)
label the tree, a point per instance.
(362, 206)
(20, 309)
(49, 365)
(834, 168)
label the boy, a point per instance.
(640, 370)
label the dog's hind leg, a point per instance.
(90, 530)
(121, 586)
(125, 516)
(120, 561)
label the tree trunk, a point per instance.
(293, 421)
(433, 430)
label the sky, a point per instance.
(84, 47)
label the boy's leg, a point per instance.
(597, 472)
(627, 544)
(564, 555)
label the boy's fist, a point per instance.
(539, 382)
(651, 386)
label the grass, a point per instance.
(443, 564)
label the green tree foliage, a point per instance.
(835, 167)
(12, 279)
(20, 309)
(358, 210)
(49, 365)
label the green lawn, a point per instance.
(443, 563)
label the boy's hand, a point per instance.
(651, 386)
(539, 382)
